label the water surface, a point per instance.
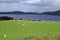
(33, 17)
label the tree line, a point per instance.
(6, 18)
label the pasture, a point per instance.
(19, 29)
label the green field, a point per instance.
(17, 29)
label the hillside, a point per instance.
(52, 13)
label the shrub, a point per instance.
(33, 20)
(21, 19)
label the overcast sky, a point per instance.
(29, 5)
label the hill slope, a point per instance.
(52, 13)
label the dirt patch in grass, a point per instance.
(44, 37)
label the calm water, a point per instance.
(33, 17)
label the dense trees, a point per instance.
(5, 18)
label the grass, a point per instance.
(17, 29)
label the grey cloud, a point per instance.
(8, 1)
(21, 5)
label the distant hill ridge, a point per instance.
(44, 13)
(52, 13)
(18, 12)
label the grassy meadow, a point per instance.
(22, 30)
